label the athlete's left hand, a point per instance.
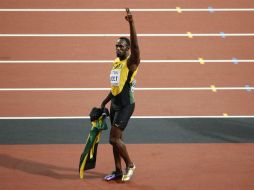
(129, 15)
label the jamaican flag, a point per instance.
(88, 157)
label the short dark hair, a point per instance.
(126, 40)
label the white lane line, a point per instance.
(133, 117)
(142, 61)
(140, 35)
(133, 10)
(249, 88)
(56, 61)
(54, 89)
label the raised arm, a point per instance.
(134, 59)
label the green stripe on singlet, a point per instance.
(132, 100)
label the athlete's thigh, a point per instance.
(115, 132)
(123, 116)
(112, 114)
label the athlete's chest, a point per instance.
(118, 73)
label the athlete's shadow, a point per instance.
(92, 175)
(37, 168)
(43, 169)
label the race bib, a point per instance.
(115, 77)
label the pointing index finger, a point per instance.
(128, 10)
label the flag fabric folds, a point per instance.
(88, 157)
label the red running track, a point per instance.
(167, 166)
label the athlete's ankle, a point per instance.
(119, 170)
(130, 165)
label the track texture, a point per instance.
(169, 153)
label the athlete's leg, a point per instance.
(119, 146)
(119, 121)
(116, 154)
(117, 159)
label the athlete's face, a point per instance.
(122, 48)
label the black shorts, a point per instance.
(120, 117)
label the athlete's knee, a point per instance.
(113, 141)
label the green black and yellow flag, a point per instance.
(88, 157)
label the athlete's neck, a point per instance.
(123, 57)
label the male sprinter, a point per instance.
(122, 100)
